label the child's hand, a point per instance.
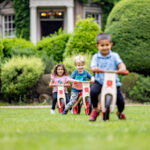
(92, 80)
(123, 71)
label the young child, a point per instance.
(105, 59)
(78, 75)
(59, 75)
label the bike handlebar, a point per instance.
(117, 72)
(83, 82)
(56, 84)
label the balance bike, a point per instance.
(61, 98)
(108, 95)
(83, 98)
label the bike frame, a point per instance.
(84, 93)
(109, 88)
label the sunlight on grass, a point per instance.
(22, 129)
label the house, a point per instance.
(47, 16)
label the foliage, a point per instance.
(83, 39)
(128, 82)
(26, 51)
(22, 18)
(48, 61)
(54, 46)
(129, 25)
(1, 49)
(19, 75)
(69, 62)
(106, 6)
(141, 91)
(10, 44)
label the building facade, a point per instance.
(47, 16)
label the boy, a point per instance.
(105, 59)
(78, 75)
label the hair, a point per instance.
(103, 36)
(59, 65)
(79, 59)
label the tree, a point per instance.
(129, 25)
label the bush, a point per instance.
(141, 91)
(27, 51)
(69, 62)
(54, 46)
(19, 75)
(15, 43)
(128, 82)
(129, 25)
(83, 39)
(1, 49)
(48, 61)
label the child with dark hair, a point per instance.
(59, 75)
(105, 59)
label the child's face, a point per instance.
(60, 71)
(80, 67)
(104, 47)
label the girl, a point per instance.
(59, 75)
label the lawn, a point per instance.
(37, 129)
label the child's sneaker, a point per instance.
(121, 115)
(52, 111)
(94, 115)
(64, 112)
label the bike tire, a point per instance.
(88, 109)
(62, 106)
(77, 109)
(105, 115)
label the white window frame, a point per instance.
(94, 11)
(9, 29)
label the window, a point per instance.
(9, 26)
(94, 15)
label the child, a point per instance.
(105, 59)
(78, 75)
(59, 75)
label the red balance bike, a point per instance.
(61, 98)
(83, 98)
(108, 94)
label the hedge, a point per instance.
(129, 25)
(54, 46)
(83, 39)
(15, 43)
(19, 75)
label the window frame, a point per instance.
(8, 25)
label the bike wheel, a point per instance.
(105, 115)
(88, 107)
(62, 106)
(77, 109)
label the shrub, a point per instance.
(54, 46)
(128, 82)
(129, 25)
(83, 39)
(19, 75)
(69, 62)
(1, 49)
(48, 61)
(15, 43)
(141, 91)
(27, 51)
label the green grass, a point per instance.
(36, 129)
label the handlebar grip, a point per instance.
(124, 72)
